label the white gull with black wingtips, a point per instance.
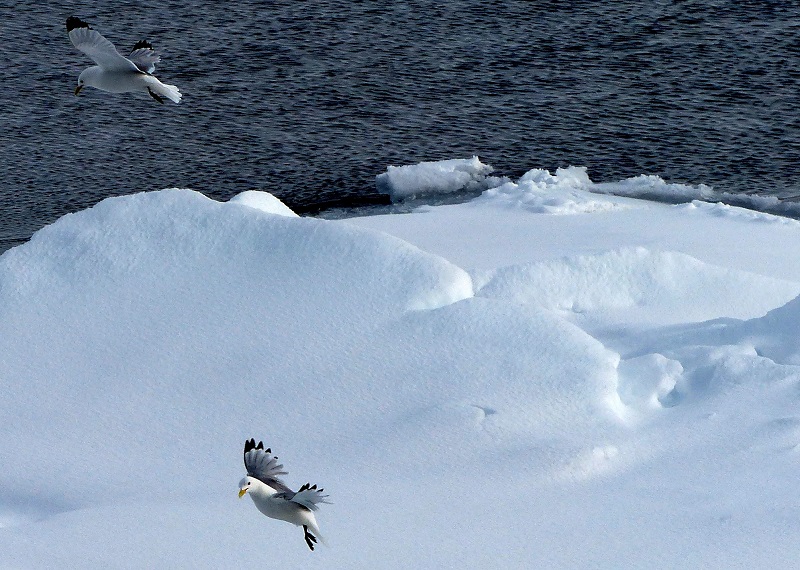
(114, 72)
(271, 495)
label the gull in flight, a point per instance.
(273, 498)
(114, 72)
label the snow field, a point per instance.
(542, 377)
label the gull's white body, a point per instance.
(278, 508)
(124, 82)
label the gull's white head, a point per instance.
(245, 485)
(87, 77)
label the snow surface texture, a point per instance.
(546, 378)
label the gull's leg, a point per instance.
(154, 96)
(310, 538)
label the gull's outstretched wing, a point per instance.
(308, 496)
(97, 47)
(144, 57)
(262, 465)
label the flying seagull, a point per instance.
(114, 72)
(273, 498)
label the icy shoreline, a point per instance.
(448, 177)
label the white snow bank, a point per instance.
(143, 340)
(438, 177)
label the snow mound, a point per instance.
(263, 201)
(651, 381)
(439, 177)
(498, 375)
(168, 313)
(775, 335)
(656, 286)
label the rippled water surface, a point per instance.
(310, 100)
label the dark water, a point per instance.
(310, 100)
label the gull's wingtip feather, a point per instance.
(142, 44)
(74, 22)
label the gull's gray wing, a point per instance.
(308, 496)
(262, 465)
(144, 57)
(97, 47)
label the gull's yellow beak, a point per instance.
(242, 492)
(78, 89)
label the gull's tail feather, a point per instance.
(169, 91)
(314, 527)
(322, 539)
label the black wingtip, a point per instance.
(250, 444)
(74, 22)
(142, 44)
